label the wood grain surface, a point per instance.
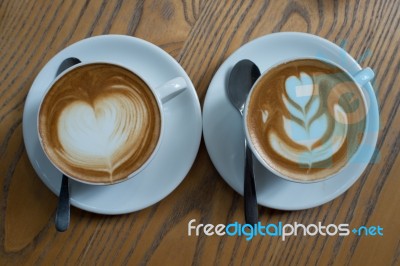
(200, 34)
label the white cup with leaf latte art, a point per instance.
(100, 123)
(305, 118)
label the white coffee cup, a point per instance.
(360, 79)
(162, 93)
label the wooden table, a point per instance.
(200, 35)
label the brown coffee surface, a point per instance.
(306, 119)
(99, 123)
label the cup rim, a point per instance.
(155, 150)
(254, 150)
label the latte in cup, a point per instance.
(305, 119)
(99, 123)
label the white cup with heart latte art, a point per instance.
(305, 118)
(100, 123)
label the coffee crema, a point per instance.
(306, 119)
(99, 123)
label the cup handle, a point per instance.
(171, 89)
(364, 76)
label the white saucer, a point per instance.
(223, 127)
(179, 145)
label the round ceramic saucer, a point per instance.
(223, 127)
(178, 147)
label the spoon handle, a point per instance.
(63, 208)
(250, 196)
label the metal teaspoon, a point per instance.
(63, 208)
(242, 77)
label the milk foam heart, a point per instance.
(299, 121)
(99, 123)
(94, 136)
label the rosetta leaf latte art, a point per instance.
(300, 119)
(306, 129)
(319, 153)
(306, 124)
